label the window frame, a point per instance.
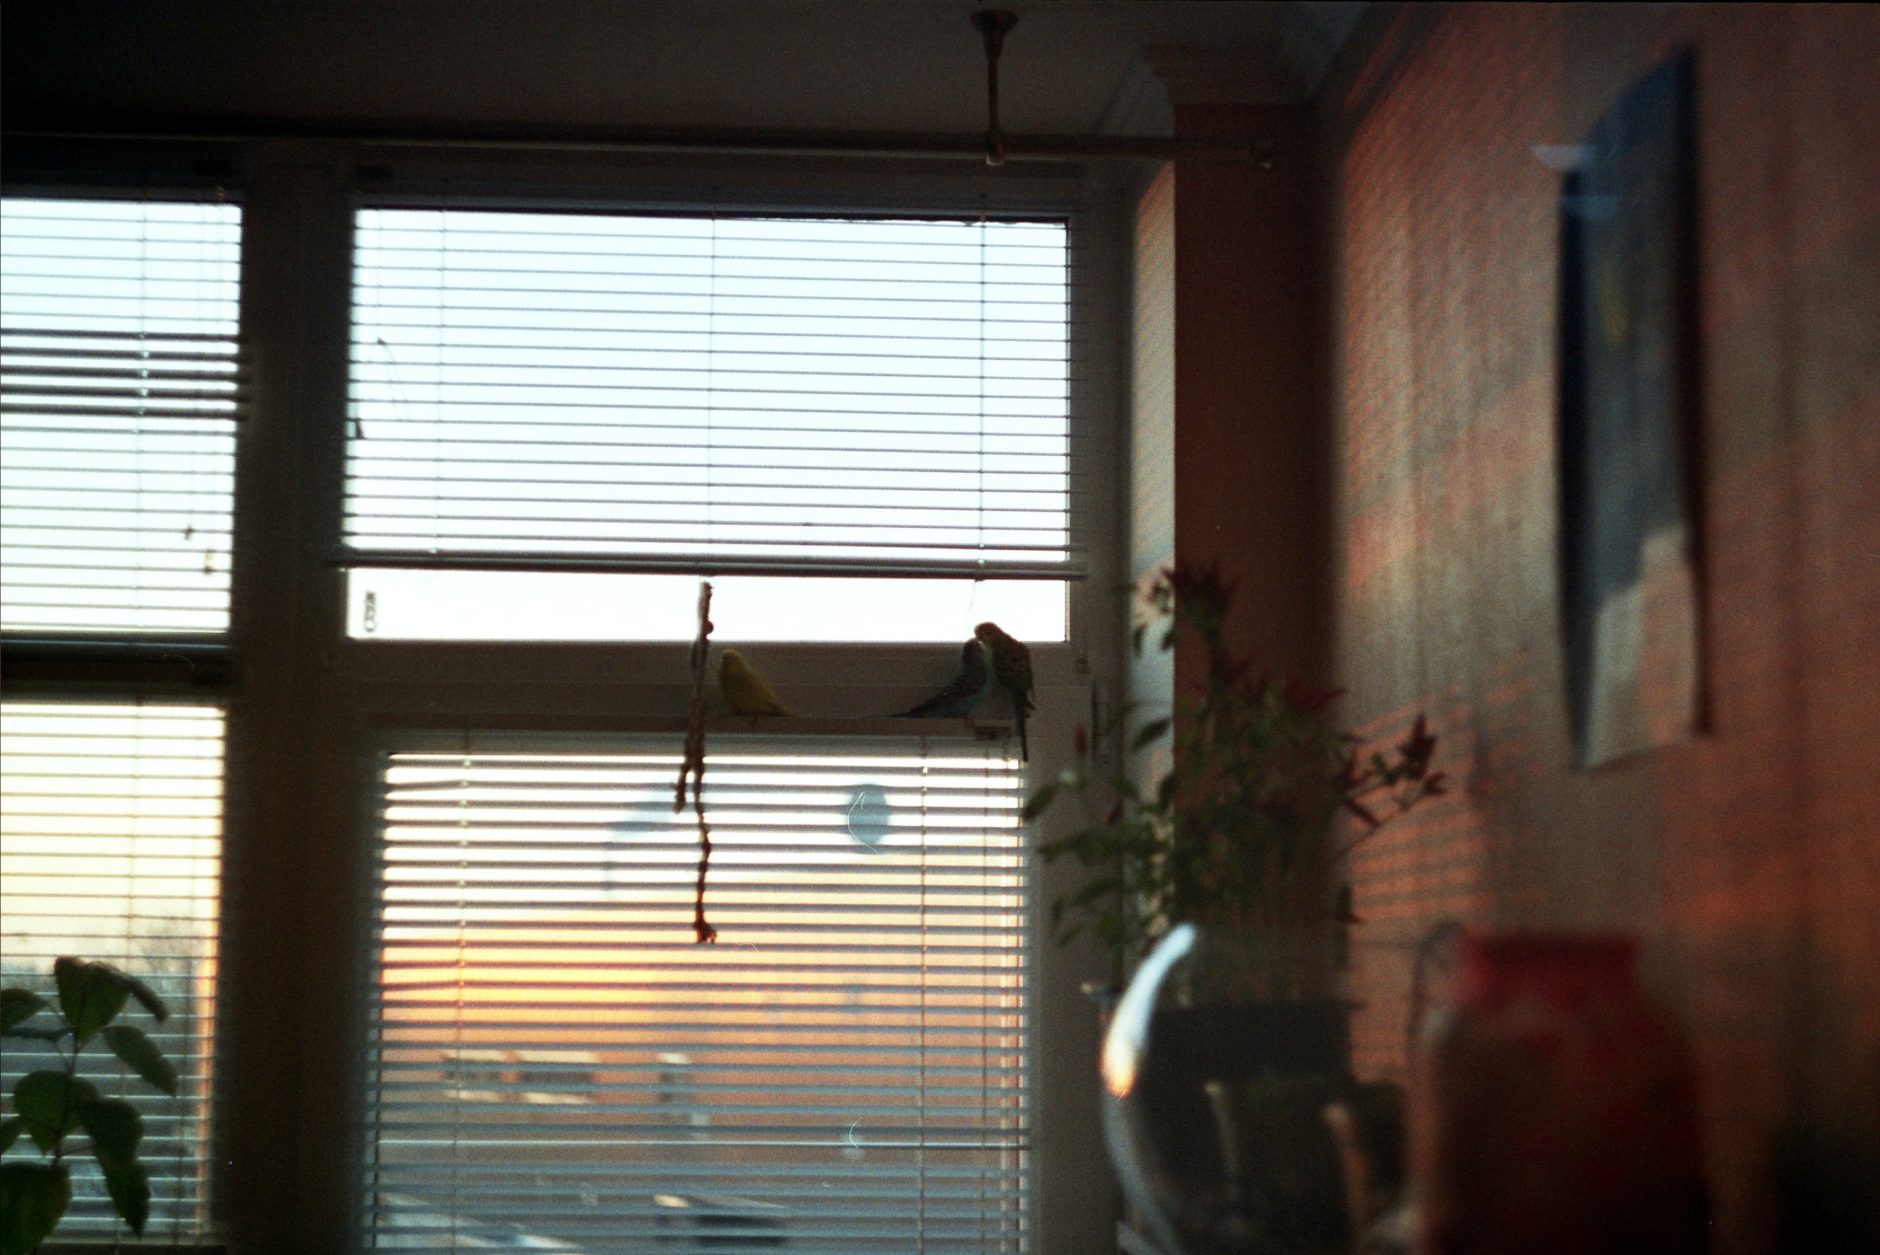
(309, 708)
(129, 667)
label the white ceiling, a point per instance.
(812, 64)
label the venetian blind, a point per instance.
(110, 849)
(716, 393)
(119, 390)
(554, 1061)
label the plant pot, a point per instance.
(1215, 1106)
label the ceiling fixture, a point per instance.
(993, 25)
(996, 146)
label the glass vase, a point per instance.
(1216, 1100)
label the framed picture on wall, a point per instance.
(1629, 538)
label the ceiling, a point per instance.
(912, 65)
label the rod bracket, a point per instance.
(993, 25)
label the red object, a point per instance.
(1553, 1108)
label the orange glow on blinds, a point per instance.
(110, 848)
(844, 1071)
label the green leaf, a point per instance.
(90, 995)
(145, 995)
(116, 1129)
(19, 1005)
(10, 1130)
(1035, 805)
(33, 1198)
(129, 1187)
(35, 1032)
(68, 974)
(1148, 733)
(1165, 791)
(141, 1054)
(48, 1101)
(114, 1126)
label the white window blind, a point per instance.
(554, 1061)
(710, 393)
(110, 849)
(119, 390)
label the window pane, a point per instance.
(118, 394)
(543, 606)
(110, 849)
(737, 395)
(556, 1060)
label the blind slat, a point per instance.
(591, 334)
(110, 850)
(118, 341)
(593, 1072)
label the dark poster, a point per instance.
(1628, 551)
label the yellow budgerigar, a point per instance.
(745, 691)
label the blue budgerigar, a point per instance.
(964, 691)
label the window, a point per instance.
(844, 1071)
(110, 849)
(551, 411)
(117, 401)
(119, 391)
(351, 540)
(859, 429)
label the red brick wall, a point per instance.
(1749, 858)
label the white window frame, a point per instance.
(309, 707)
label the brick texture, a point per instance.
(1748, 858)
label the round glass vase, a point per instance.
(1215, 1104)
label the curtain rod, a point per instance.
(1253, 150)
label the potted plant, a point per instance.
(52, 1106)
(1218, 886)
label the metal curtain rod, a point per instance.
(1254, 150)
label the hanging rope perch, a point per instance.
(694, 763)
(993, 24)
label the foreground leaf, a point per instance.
(90, 995)
(1149, 733)
(115, 1129)
(142, 1055)
(33, 1198)
(145, 995)
(48, 1102)
(129, 1186)
(10, 1130)
(19, 1005)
